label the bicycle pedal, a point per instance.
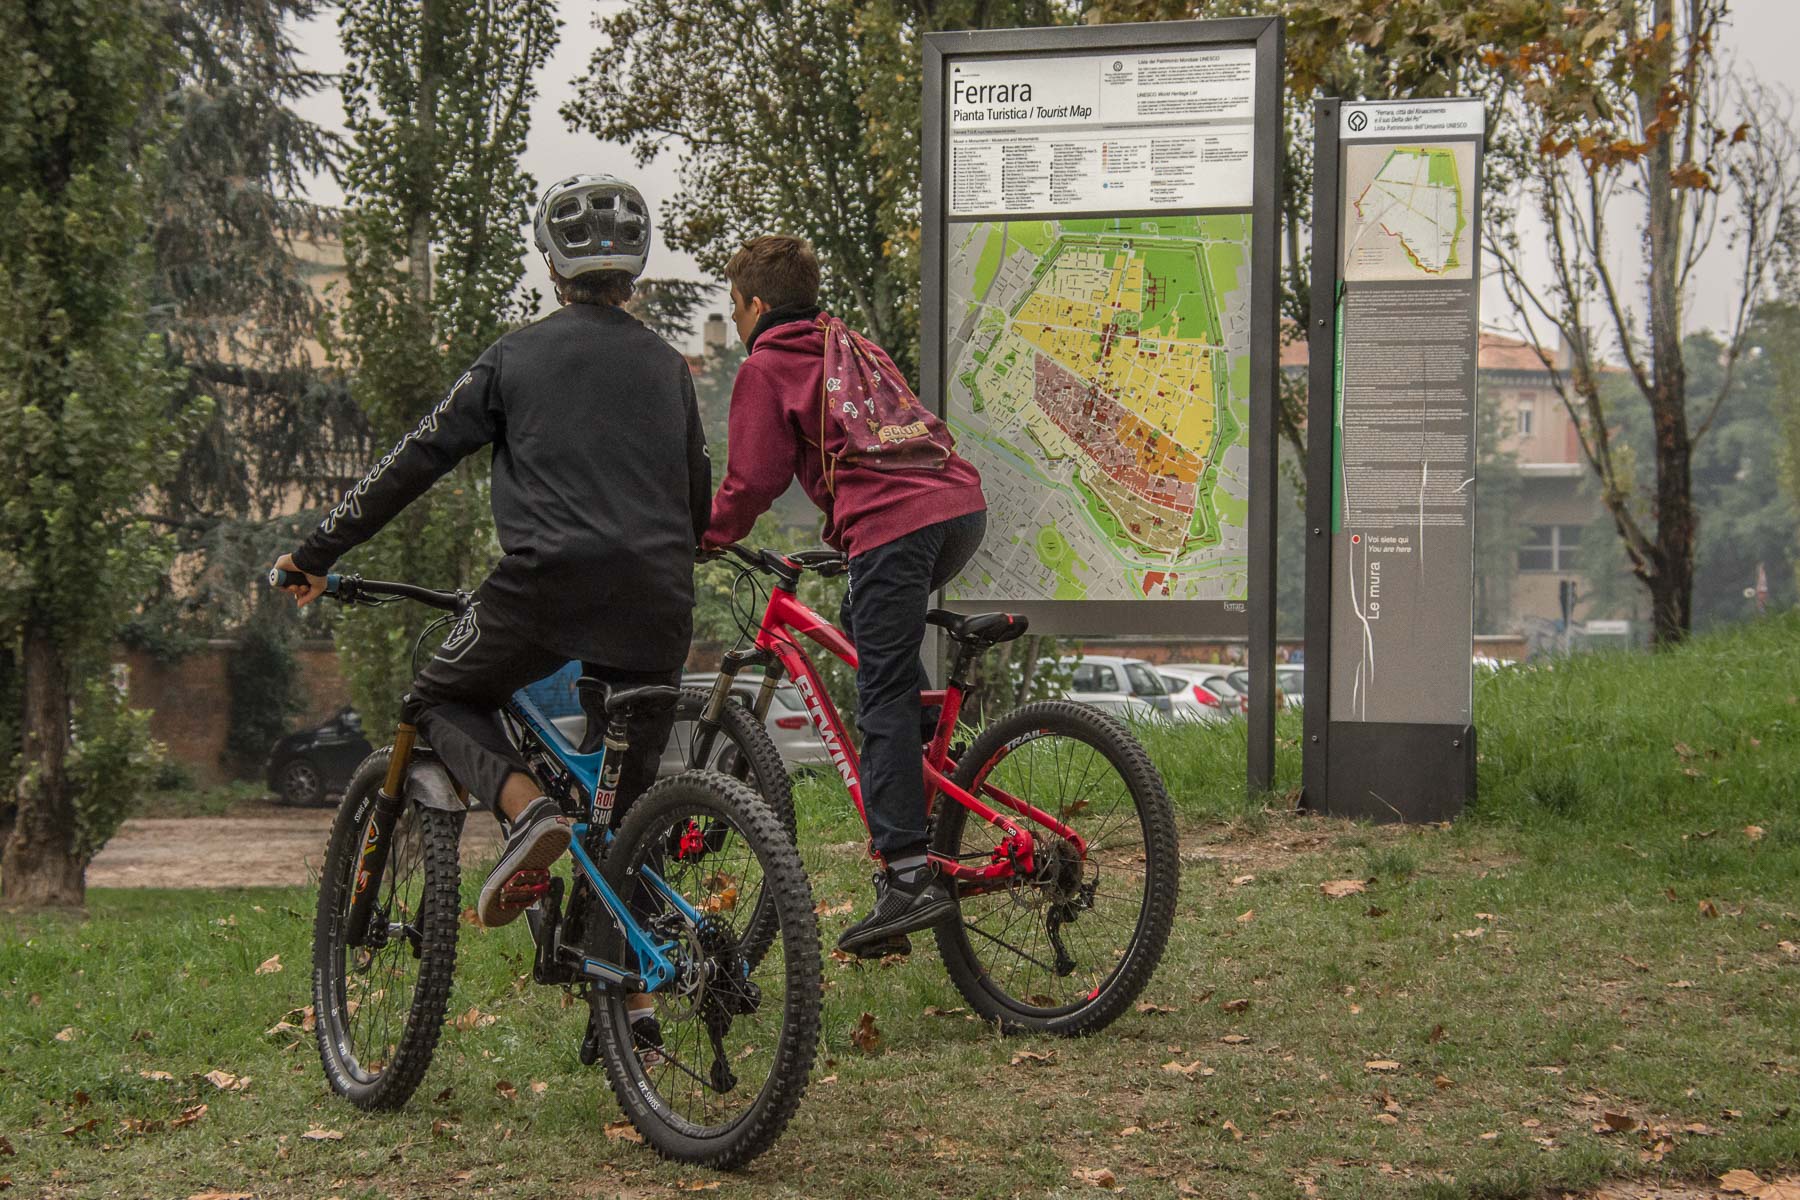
(525, 888)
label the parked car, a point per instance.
(1290, 685)
(788, 725)
(1216, 679)
(1124, 686)
(1199, 695)
(306, 767)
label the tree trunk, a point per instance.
(423, 199)
(41, 868)
(1672, 584)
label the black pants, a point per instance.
(884, 615)
(491, 654)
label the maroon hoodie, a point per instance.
(774, 437)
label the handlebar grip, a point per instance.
(279, 578)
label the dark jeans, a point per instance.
(884, 615)
(489, 656)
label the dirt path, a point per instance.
(270, 847)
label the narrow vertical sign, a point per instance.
(1404, 328)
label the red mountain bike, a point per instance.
(1053, 826)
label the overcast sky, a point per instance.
(1764, 39)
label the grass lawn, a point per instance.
(1592, 977)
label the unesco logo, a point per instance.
(1359, 121)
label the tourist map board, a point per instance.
(1096, 323)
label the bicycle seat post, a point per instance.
(618, 741)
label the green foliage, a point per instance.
(667, 306)
(85, 393)
(113, 758)
(796, 118)
(437, 101)
(262, 676)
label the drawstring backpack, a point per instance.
(883, 423)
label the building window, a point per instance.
(1551, 548)
(1527, 409)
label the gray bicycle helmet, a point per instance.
(593, 223)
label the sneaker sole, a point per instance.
(536, 856)
(924, 919)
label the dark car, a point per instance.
(306, 767)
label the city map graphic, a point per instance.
(1099, 378)
(1409, 214)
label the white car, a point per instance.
(1125, 687)
(1202, 693)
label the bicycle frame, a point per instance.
(786, 616)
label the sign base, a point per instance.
(1387, 772)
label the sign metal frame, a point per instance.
(1101, 617)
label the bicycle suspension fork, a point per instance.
(372, 863)
(707, 733)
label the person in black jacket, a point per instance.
(601, 491)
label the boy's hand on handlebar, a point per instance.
(303, 596)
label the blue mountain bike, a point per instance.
(697, 899)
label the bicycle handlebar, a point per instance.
(773, 562)
(354, 589)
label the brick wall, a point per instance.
(190, 700)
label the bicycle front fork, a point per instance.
(372, 863)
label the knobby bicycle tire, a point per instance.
(390, 1081)
(1112, 746)
(643, 834)
(745, 752)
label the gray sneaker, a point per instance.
(905, 901)
(534, 841)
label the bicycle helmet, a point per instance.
(593, 223)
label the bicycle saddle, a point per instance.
(612, 700)
(979, 629)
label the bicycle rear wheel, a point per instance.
(379, 1007)
(737, 1036)
(1068, 948)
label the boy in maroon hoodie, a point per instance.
(908, 525)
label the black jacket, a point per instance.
(601, 484)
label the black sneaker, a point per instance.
(534, 841)
(904, 901)
(899, 944)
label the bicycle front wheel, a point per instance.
(1068, 946)
(379, 1007)
(734, 1036)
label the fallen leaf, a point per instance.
(1375, 910)
(1490, 1135)
(622, 1130)
(1708, 909)
(1620, 1122)
(1234, 1006)
(1241, 880)
(698, 1185)
(1747, 1183)
(1337, 889)
(1247, 916)
(86, 1126)
(1099, 1177)
(1670, 893)
(1442, 1082)
(188, 1116)
(474, 1019)
(829, 1079)
(1130, 1131)
(1032, 1056)
(932, 1010)
(1472, 934)
(1387, 1118)
(1789, 947)
(1381, 1064)
(1193, 1070)
(1147, 1006)
(223, 1196)
(1753, 832)
(157, 1076)
(865, 1036)
(1634, 964)
(270, 965)
(506, 1089)
(1681, 983)
(843, 958)
(538, 1087)
(225, 1081)
(1237, 1135)
(1437, 1034)
(1235, 1039)
(6, 1147)
(281, 1027)
(1486, 917)
(66, 1033)
(826, 909)
(316, 1134)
